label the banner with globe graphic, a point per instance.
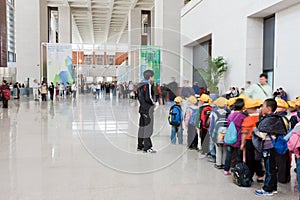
(59, 63)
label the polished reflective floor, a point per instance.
(86, 149)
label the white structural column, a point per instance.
(27, 50)
(65, 26)
(134, 41)
(167, 36)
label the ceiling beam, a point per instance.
(108, 18)
(133, 4)
(91, 21)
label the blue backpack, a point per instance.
(175, 115)
(192, 120)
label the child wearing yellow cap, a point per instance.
(175, 120)
(202, 122)
(189, 118)
(248, 125)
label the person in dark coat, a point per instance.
(146, 109)
(172, 89)
(5, 93)
(51, 90)
(270, 126)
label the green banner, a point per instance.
(150, 59)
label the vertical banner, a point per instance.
(59, 63)
(150, 59)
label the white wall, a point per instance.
(167, 36)
(27, 39)
(287, 32)
(237, 27)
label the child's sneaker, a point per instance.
(260, 179)
(263, 193)
(226, 173)
(150, 151)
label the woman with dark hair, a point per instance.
(237, 117)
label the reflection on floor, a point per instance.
(86, 149)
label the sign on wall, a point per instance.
(150, 59)
(59, 63)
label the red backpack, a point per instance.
(204, 115)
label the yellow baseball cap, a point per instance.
(252, 103)
(292, 103)
(178, 99)
(231, 101)
(282, 103)
(205, 98)
(221, 102)
(192, 99)
(297, 102)
(243, 96)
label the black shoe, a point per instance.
(139, 149)
(218, 166)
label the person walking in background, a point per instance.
(74, 89)
(146, 109)
(51, 90)
(35, 88)
(172, 90)
(5, 93)
(260, 90)
(44, 91)
(196, 89)
(163, 89)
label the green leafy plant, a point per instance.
(213, 73)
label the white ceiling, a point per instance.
(98, 21)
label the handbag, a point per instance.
(231, 135)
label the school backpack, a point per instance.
(231, 135)
(175, 115)
(294, 141)
(192, 120)
(220, 128)
(241, 175)
(203, 115)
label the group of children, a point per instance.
(259, 125)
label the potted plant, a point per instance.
(213, 73)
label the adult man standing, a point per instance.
(260, 90)
(146, 110)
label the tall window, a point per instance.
(268, 47)
(53, 25)
(11, 31)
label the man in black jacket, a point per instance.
(146, 110)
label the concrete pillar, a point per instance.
(64, 24)
(134, 41)
(28, 50)
(167, 36)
